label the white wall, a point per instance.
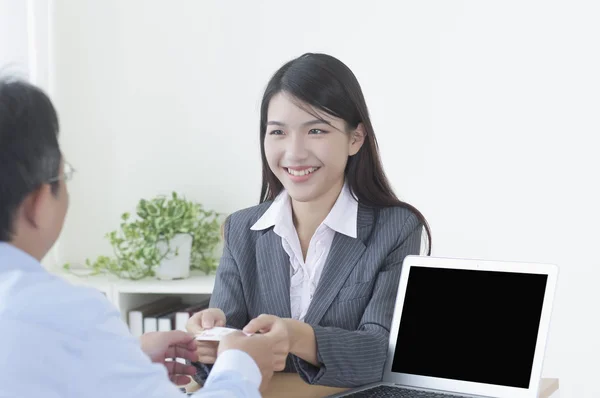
(486, 114)
(14, 38)
(25, 38)
(25, 51)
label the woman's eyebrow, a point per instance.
(305, 124)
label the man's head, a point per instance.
(33, 194)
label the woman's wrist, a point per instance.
(302, 340)
(293, 333)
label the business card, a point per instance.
(216, 333)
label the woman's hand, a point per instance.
(276, 329)
(258, 347)
(200, 321)
(299, 337)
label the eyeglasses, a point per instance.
(67, 174)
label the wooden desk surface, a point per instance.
(290, 385)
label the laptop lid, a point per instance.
(470, 326)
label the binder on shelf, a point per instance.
(182, 316)
(144, 317)
(166, 321)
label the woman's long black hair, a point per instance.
(327, 84)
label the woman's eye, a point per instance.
(316, 131)
(276, 132)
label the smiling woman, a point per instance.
(307, 155)
(322, 253)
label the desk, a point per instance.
(290, 385)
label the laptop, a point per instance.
(467, 328)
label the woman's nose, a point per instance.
(296, 147)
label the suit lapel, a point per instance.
(341, 260)
(273, 265)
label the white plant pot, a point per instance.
(175, 266)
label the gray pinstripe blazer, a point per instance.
(351, 311)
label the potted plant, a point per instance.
(168, 237)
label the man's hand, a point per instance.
(160, 346)
(277, 331)
(206, 351)
(258, 347)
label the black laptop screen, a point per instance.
(478, 326)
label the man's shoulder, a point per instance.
(49, 301)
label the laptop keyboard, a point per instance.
(397, 392)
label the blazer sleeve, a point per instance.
(351, 358)
(228, 292)
(228, 296)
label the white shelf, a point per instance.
(196, 283)
(126, 294)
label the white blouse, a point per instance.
(305, 275)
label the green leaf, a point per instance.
(161, 218)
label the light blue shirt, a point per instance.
(60, 340)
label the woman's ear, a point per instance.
(357, 139)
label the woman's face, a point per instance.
(307, 154)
